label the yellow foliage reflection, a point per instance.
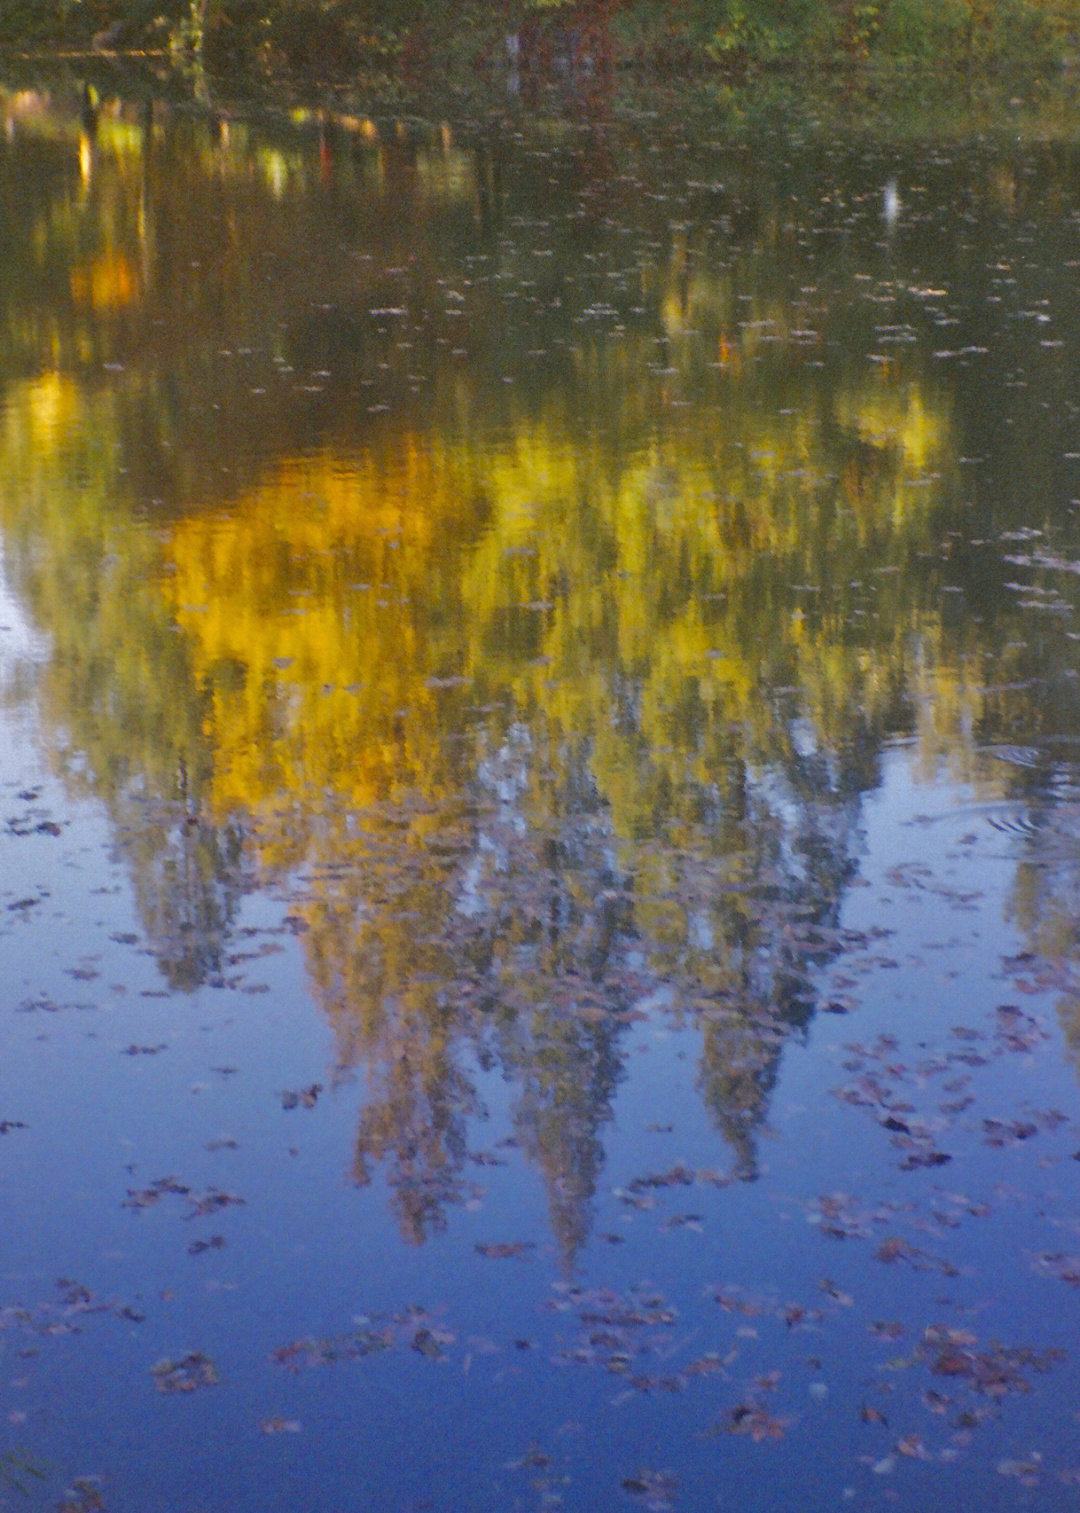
(421, 660)
(312, 608)
(540, 650)
(492, 707)
(109, 283)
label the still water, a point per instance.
(539, 810)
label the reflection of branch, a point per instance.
(186, 876)
(418, 1122)
(568, 1071)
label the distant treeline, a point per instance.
(590, 36)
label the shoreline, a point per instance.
(588, 45)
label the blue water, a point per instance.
(538, 963)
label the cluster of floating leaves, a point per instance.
(188, 1373)
(415, 1328)
(641, 1192)
(32, 821)
(66, 1313)
(634, 1335)
(888, 1085)
(212, 1201)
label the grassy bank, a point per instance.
(736, 37)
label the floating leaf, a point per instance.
(280, 1425)
(912, 1446)
(188, 1374)
(425, 1342)
(654, 1490)
(305, 1097)
(198, 1247)
(750, 1418)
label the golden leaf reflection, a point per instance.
(546, 721)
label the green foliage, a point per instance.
(754, 33)
(917, 30)
(29, 23)
(967, 32)
(759, 34)
(736, 35)
(301, 33)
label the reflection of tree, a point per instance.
(116, 692)
(1038, 818)
(187, 875)
(782, 908)
(549, 707)
(415, 1117)
(555, 671)
(561, 973)
(440, 940)
(568, 1071)
(394, 971)
(588, 645)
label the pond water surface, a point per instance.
(539, 811)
